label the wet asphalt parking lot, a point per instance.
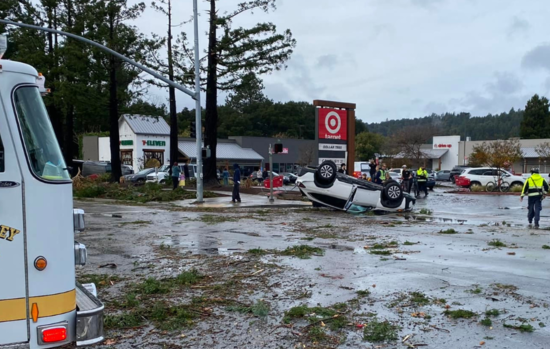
(462, 270)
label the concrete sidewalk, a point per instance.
(248, 201)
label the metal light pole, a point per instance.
(271, 174)
(198, 111)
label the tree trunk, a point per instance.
(113, 111)
(69, 120)
(211, 122)
(174, 152)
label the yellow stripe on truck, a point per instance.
(55, 304)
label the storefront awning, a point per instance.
(224, 151)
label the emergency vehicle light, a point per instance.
(56, 334)
(3, 45)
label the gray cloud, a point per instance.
(426, 3)
(327, 61)
(537, 58)
(435, 107)
(506, 83)
(277, 92)
(518, 27)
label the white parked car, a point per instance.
(324, 186)
(484, 175)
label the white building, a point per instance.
(141, 138)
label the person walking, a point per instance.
(225, 176)
(364, 176)
(422, 180)
(259, 176)
(406, 177)
(236, 184)
(535, 188)
(175, 175)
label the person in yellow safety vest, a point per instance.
(535, 188)
(422, 179)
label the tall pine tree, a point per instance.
(536, 119)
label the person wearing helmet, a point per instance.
(535, 188)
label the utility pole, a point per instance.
(271, 174)
(198, 111)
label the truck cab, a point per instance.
(41, 304)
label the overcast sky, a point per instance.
(400, 58)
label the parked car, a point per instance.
(102, 167)
(289, 178)
(483, 175)
(443, 175)
(360, 168)
(324, 186)
(456, 171)
(161, 176)
(140, 177)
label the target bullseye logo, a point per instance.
(333, 123)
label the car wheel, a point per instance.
(163, 181)
(325, 175)
(140, 181)
(392, 195)
(431, 188)
(452, 179)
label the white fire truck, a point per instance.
(41, 305)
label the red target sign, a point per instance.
(333, 124)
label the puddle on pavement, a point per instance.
(436, 219)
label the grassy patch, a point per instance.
(100, 280)
(382, 246)
(419, 298)
(492, 312)
(257, 252)
(505, 287)
(170, 318)
(381, 252)
(136, 223)
(460, 314)
(380, 331)
(331, 314)
(153, 286)
(448, 231)
(211, 219)
(125, 320)
(476, 290)
(408, 243)
(260, 309)
(425, 211)
(521, 328)
(303, 251)
(363, 293)
(89, 188)
(188, 278)
(545, 247)
(496, 243)
(486, 322)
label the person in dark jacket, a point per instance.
(236, 184)
(372, 170)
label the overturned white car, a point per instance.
(324, 186)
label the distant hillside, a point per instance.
(502, 126)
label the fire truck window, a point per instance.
(43, 153)
(1, 155)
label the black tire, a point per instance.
(431, 188)
(163, 181)
(452, 179)
(325, 175)
(392, 190)
(392, 195)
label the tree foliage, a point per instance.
(536, 119)
(497, 154)
(368, 144)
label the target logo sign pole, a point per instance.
(335, 134)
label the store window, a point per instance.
(289, 167)
(126, 157)
(275, 168)
(153, 154)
